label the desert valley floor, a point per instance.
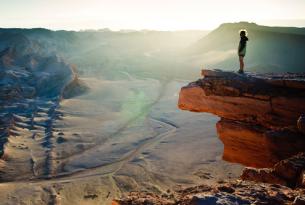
(121, 135)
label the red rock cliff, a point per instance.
(259, 113)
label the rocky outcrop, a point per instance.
(274, 102)
(288, 172)
(260, 114)
(232, 192)
(75, 87)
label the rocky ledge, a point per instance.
(261, 115)
(261, 121)
(224, 193)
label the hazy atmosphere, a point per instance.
(148, 14)
(152, 102)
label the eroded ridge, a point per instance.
(31, 86)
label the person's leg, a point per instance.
(241, 63)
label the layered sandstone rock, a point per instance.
(274, 102)
(255, 145)
(259, 113)
(288, 172)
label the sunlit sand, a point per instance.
(120, 136)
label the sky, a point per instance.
(148, 14)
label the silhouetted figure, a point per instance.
(242, 49)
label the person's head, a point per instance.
(243, 32)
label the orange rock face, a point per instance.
(248, 98)
(259, 113)
(245, 109)
(256, 146)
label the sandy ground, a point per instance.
(121, 136)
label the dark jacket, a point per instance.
(242, 45)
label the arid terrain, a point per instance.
(87, 117)
(120, 136)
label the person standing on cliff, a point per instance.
(242, 49)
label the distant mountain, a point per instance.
(164, 54)
(270, 49)
(108, 54)
(28, 71)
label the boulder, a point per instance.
(288, 172)
(292, 169)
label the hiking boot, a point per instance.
(240, 71)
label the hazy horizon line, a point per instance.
(160, 30)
